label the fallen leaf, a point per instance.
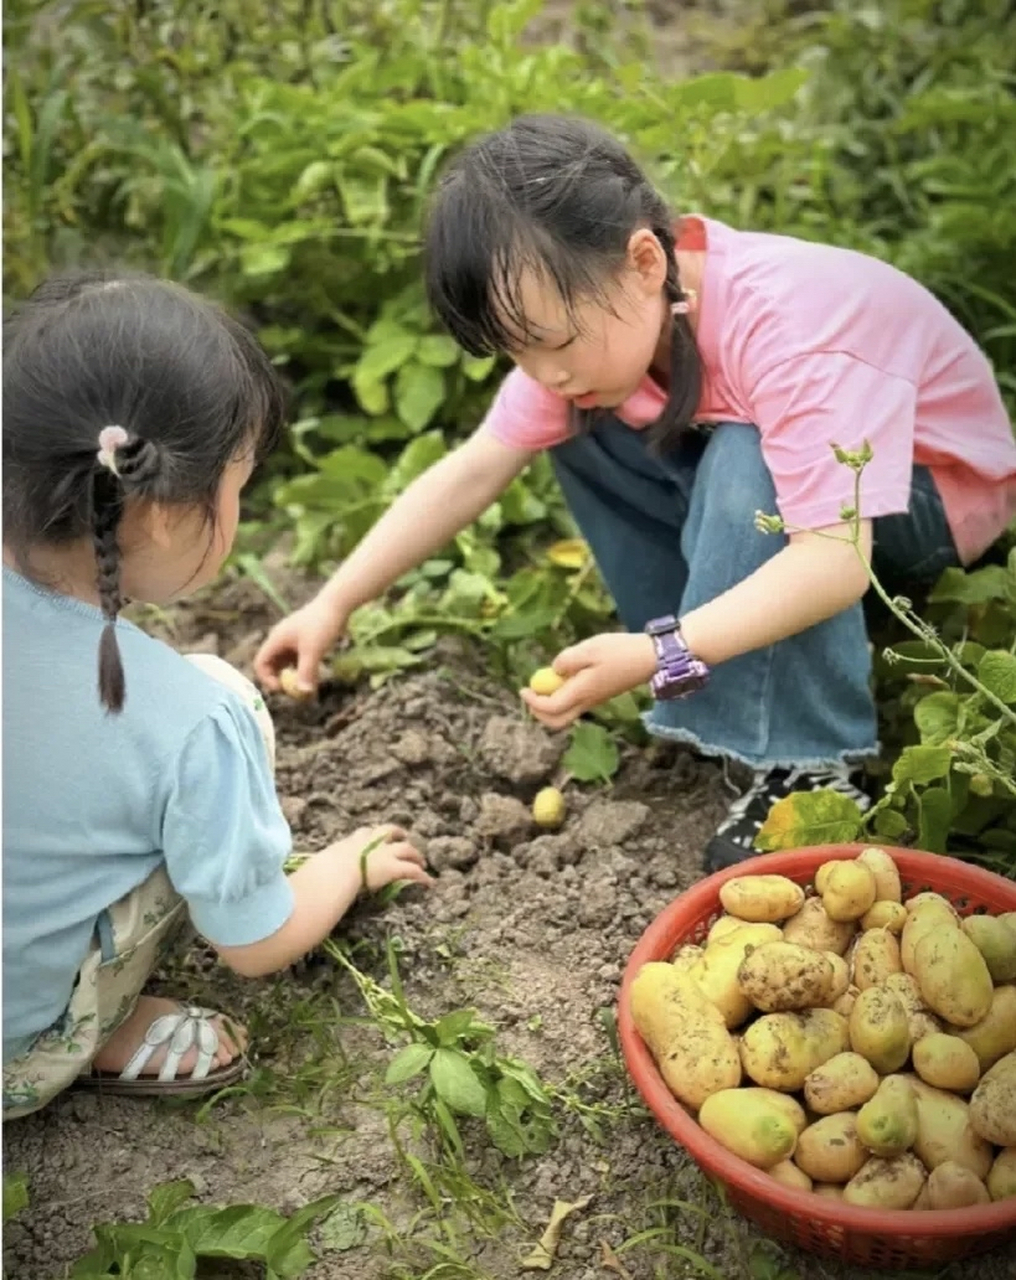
(542, 1257)
(609, 1261)
(569, 553)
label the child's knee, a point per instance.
(219, 669)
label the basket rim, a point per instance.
(731, 1169)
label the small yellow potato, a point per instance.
(920, 1019)
(876, 956)
(758, 1125)
(953, 977)
(886, 873)
(953, 1186)
(843, 1083)
(777, 976)
(993, 1104)
(545, 681)
(761, 899)
(849, 891)
(996, 941)
(781, 1050)
(944, 1131)
(946, 1062)
(1001, 1181)
(686, 1035)
(830, 1150)
(812, 927)
(887, 1124)
(885, 915)
(995, 1035)
(549, 808)
(879, 1030)
(787, 1173)
(887, 1183)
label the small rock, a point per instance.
(609, 972)
(468, 810)
(412, 748)
(502, 817)
(451, 851)
(518, 750)
(428, 823)
(198, 1181)
(597, 905)
(612, 821)
(293, 809)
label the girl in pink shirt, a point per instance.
(684, 377)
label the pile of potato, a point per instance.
(847, 1042)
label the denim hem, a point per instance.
(756, 762)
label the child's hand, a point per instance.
(384, 855)
(594, 671)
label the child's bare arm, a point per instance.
(324, 888)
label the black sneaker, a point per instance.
(735, 836)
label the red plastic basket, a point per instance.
(872, 1237)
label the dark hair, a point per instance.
(190, 387)
(561, 196)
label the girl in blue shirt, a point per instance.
(138, 787)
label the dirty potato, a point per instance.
(953, 977)
(843, 1083)
(885, 915)
(953, 1186)
(761, 899)
(946, 1062)
(876, 956)
(848, 892)
(996, 941)
(993, 1104)
(879, 1029)
(830, 1150)
(758, 1125)
(778, 976)
(995, 1035)
(920, 1019)
(812, 927)
(1001, 1180)
(781, 1050)
(944, 1131)
(887, 1123)
(887, 877)
(887, 1183)
(686, 1035)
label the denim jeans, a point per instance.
(671, 533)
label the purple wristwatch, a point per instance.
(678, 671)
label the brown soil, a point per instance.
(533, 929)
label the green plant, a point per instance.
(457, 1071)
(177, 1234)
(954, 789)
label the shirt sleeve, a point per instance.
(805, 405)
(224, 837)
(525, 415)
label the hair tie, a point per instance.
(687, 304)
(110, 439)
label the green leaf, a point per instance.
(934, 814)
(418, 455)
(980, 587)
(810, 817)
(419, 390)
(997, 672)
(937, 717)
(439, 350)
(922, 765)
(456, 1024)
(166, 1199)
(408, 1062)
(593, 755)
(344, 1228)
(15, 1194)
(890, 824)
(288, 1255)
(382, 358)
(264, 259)
(456, 1083)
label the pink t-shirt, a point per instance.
(814, 345)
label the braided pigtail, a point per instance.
(124, 464)
(685, 362)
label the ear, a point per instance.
(157, 519)
(648, 261)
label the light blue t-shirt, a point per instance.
(93, 803)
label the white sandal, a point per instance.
(192, 1027)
